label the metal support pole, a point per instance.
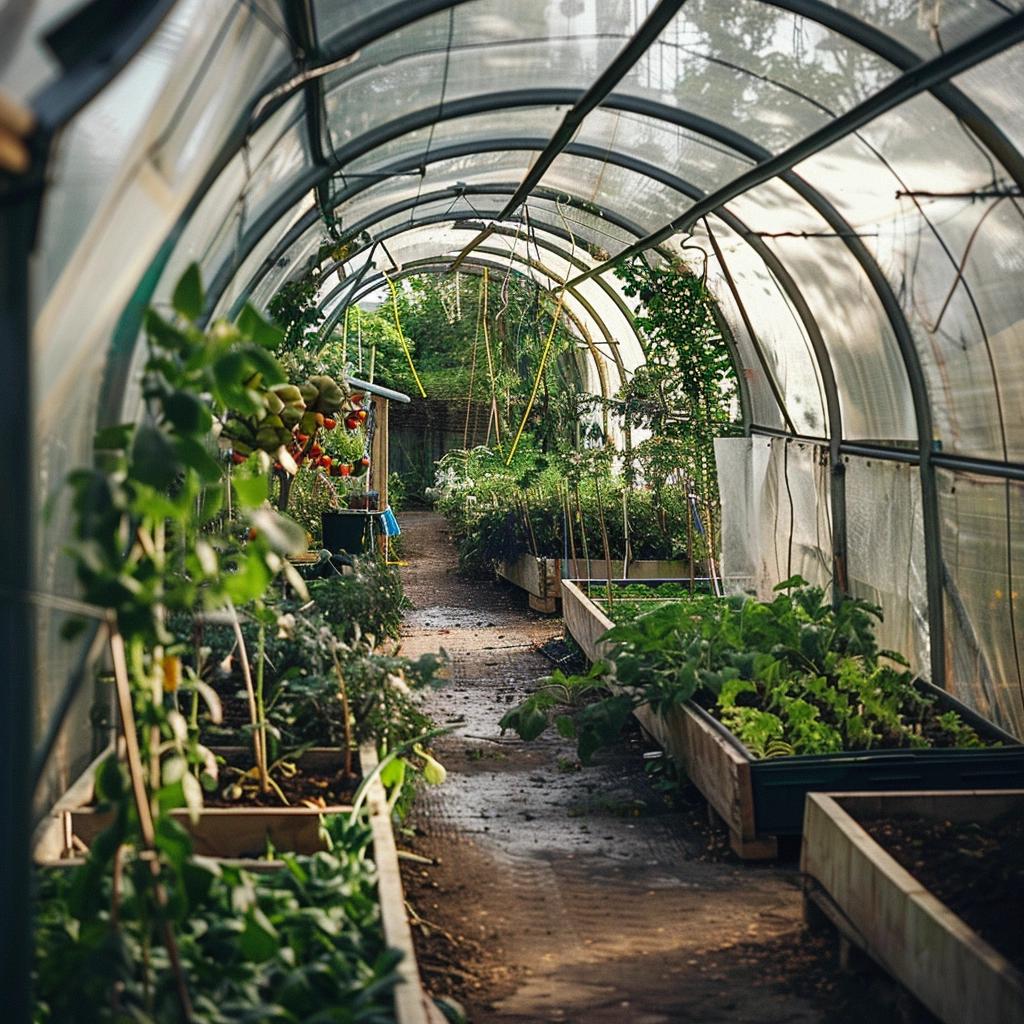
(19, 209)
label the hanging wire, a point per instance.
(440, 110)
(547, 345)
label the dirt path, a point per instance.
(561, 894)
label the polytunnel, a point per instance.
(845, 174)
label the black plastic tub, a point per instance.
(780, 784)
(347, 530)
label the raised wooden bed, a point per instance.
(761, 800)
(541, 578)
(231, 834)
(223, 832)
(880, 907)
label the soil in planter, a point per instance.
(303, 788)
(977, 870)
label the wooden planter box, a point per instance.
(230, 834)
(541, 578)
(223, 832)
(880, 907)
(760, 800)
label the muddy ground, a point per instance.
(587, 895)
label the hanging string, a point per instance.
(401, 336)
(547, 346)
(472, 364)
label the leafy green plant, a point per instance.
(301, 944)
(794, 675)
(147, 930)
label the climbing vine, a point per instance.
(685, 393)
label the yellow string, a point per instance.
(547, 347)
(401, 336)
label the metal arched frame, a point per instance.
(455, 220)
(456, 192)
(598, 356)
(826, 373)
(565, 236)
(629, 163)
(431, 265)
(728, 137)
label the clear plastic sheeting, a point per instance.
(885, 552)
(983, 523)
(775, 513)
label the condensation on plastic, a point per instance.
(982, 528)
(885, 544)
(775, 513)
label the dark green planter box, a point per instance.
(780, 784)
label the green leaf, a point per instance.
(566, 727)
(256, 329)
(250, 491)
(195, 456)
(188, 294)
(164, 334)
(393, 773)
(113, 439)
(187, 413)
(284, 535)
(110, 781)
(259, 940)
(154, 460)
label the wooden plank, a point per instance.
(412, 1005)
(645, 569)
(584, 620)
(527, 573)
(913, 936)
(248, 832)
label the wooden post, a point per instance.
(379, 452)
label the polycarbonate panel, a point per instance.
(694, 158)
(536, 123)
(94, 148)
(768, 73)
(916, 212)
(871, 379)
(775, 513)
(783, 339)
(253, 262)
(925, 26)
(494, 48)
(885, 552)
(997, 86)
(982, 527)
(213, 232)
